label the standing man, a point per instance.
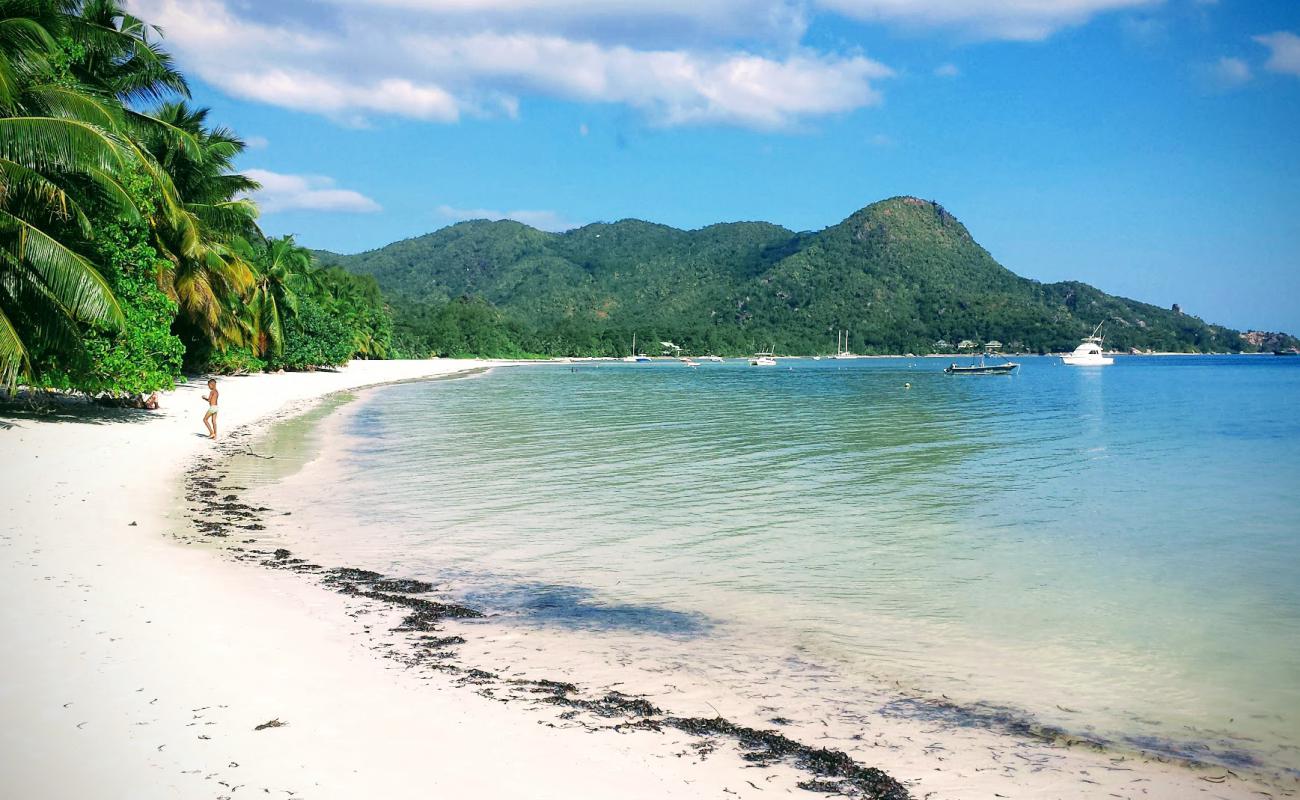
(210, 418)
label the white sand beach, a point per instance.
(138, 665)
(137, 668)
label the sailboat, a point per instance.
(842, 350)
(635, 357)
(1089, 354)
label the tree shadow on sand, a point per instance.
(14, 414)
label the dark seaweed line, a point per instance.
(218, 513)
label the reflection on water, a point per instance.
(1110, 549)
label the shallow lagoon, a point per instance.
(1115, 551)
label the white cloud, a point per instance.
(282, 192)
(366, 59)
(1021, 20)
(542, 220)
(1227, 73)
(303, 90)
(947, 71)
(671, 86)
(257, 142)
(717, 62)
(1284, 55)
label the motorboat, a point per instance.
(982, 367)
(763, 360)
(690, 363)
(1089, 354)
(715, 359)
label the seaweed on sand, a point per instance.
(402, 586)
(425, 614)
(769, 747)
(613, 704)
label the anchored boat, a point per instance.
(842, 346)
(1089, 354)
(983, 367)
(635, 357)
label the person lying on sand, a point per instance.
(152, 403)
(210, 418)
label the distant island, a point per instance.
(901, 276)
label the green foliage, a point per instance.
(899, 275)
(127, 241)
(464, 327)
(314, 337)
(356, 302)
(143, 355)
(293, 299)
(59, 153)
(238, 360)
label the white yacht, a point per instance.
(763, 360)
(1089, 354)
(715, 359)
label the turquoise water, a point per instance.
(1113, 550)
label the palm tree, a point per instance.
(284, 271)
(206, 243)
(60, 150)
(358, 300)
(121, 56)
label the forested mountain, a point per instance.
(901, 275)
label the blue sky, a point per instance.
(1150, 147)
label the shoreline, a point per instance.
(225, 647)
(970, 728)
(138, 667)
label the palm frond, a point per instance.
(13, 355)
(69, 276)
(21, 188)
(67, 103)
(59, 144)
(229, 218)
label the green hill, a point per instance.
(899, 275)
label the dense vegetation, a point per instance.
(901, 276)
(128, 247)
